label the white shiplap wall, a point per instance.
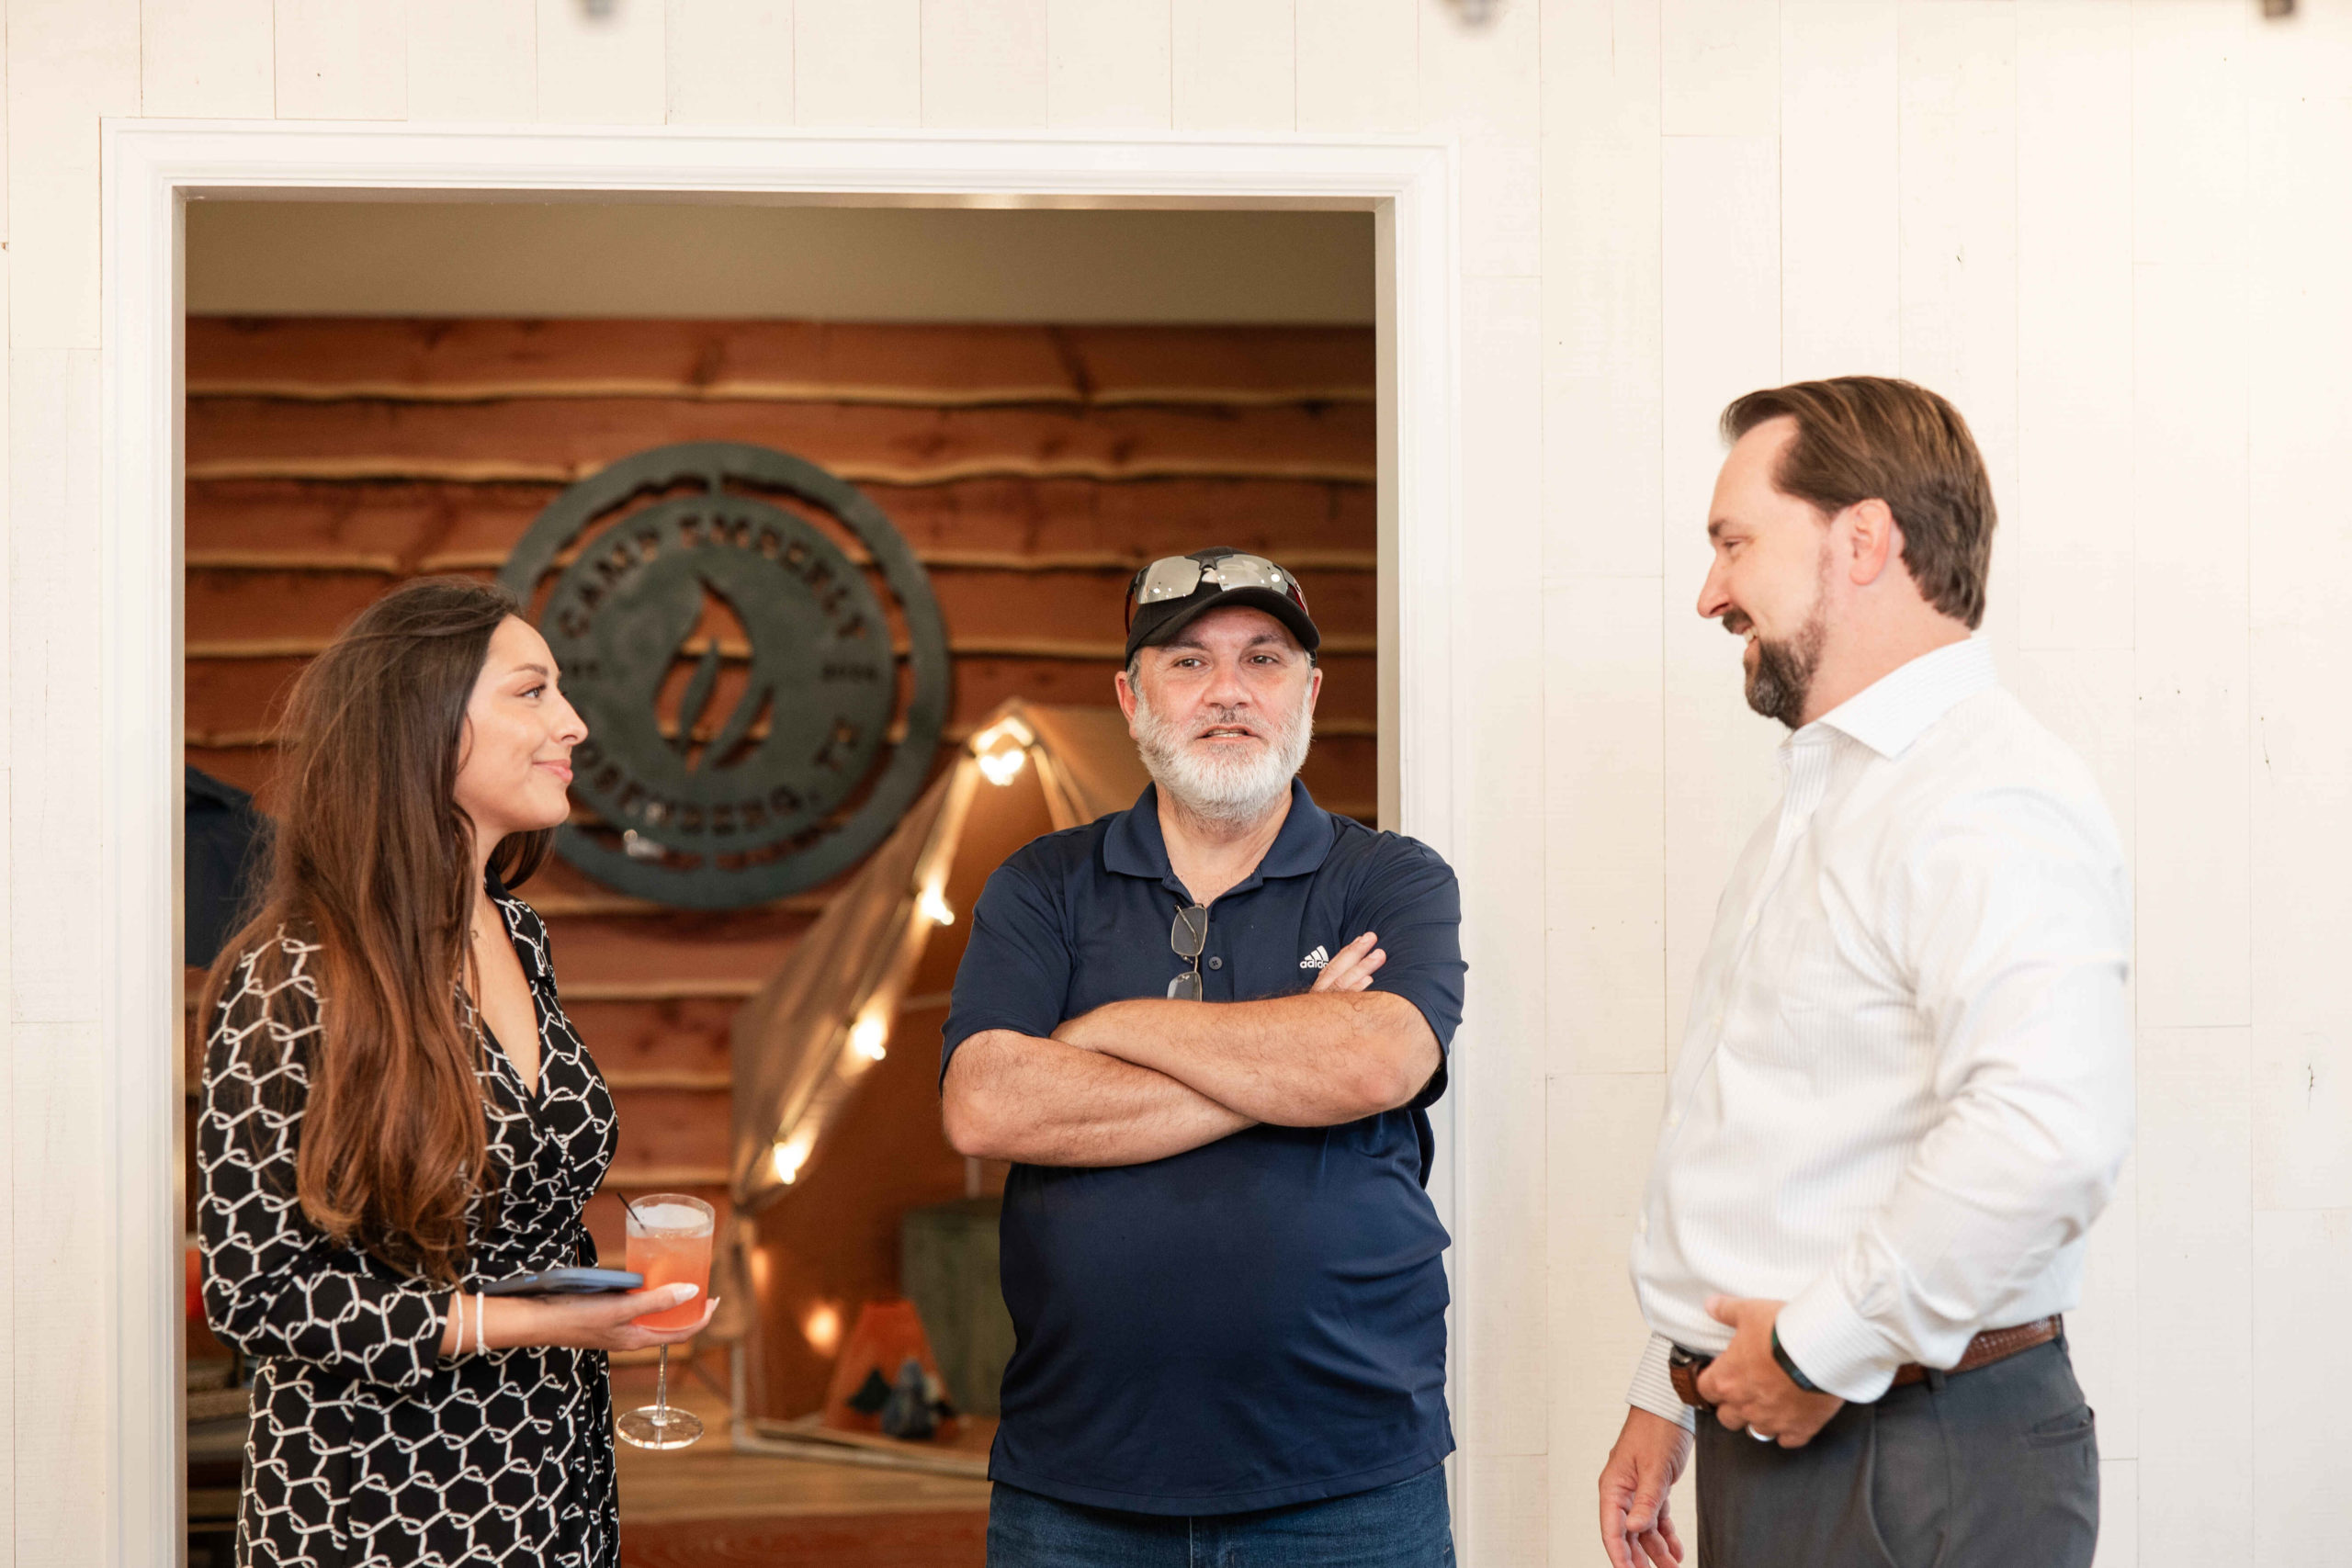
(2112, 230)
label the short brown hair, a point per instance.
(1874, 439)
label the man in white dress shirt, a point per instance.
(1906, 1087)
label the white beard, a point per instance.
(1219, 788)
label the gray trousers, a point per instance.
(1996, 1468)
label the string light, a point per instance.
(1002, 767)
(867, 1037)
(1003, 750)
(934, 908)
(791, 1155)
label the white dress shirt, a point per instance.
(1906, 1089)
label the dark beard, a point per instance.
(1782, 678)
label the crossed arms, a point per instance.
(1142, 1080)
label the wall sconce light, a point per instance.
(867, 1038)
(934, 908)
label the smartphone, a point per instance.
(566, 1282)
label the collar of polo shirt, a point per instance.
(1133, 846)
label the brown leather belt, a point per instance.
(1993, 1345)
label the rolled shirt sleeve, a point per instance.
(1016, 966)
(274, 1285)
(1415, 908)
(2011, 916)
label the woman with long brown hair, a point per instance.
(396, 1113)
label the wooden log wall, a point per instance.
(1032, 469)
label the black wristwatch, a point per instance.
(1788, 1364)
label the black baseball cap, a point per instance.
(1175, 590)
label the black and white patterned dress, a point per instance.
(368, 1447)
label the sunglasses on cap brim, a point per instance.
(1180, 577)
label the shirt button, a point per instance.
(1216, 963)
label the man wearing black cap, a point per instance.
(1205, 1031)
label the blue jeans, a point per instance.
(1403, 1525)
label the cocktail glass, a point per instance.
(669, 1243)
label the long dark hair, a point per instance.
(372, 862)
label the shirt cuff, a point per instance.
(1653, 1387)
(1835, 1346)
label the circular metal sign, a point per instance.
(735, 668)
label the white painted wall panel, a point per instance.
(2189, 590)
(1483, 84)
(1499, 682)
(1721, 338)
(2299, 1086)
(1722, 74)
(983, 62)
(70, 62)
(857, 62)
(1603, 1126)
(2071, 535)
(473, 61)
(1840, 235)
(2303, 1277)
(341, 60)
(2119, 1513)
(2189, 130)
(1957, 115)
(206, 58)
(2196, 1447)
(603, 69)
(1236, 65)
(1108, 63)
(1604, 773)
(1358, 65)
(2298, 145)
(10, 1041)
(1603, 311)
(54, 469)
(56, 1076)
(729, 62)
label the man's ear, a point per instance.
(1126, 695)
(1875, 539)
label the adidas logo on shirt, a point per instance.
(1317, 959)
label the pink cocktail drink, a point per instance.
(669, 1243)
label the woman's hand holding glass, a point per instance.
(605, 1322)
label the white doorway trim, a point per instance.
(153, 167)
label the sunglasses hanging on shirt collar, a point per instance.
(1188, 937)
(1180, 577)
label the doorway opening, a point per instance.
(156, 641)
(1038, 403)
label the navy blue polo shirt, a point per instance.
(1260, 1321)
